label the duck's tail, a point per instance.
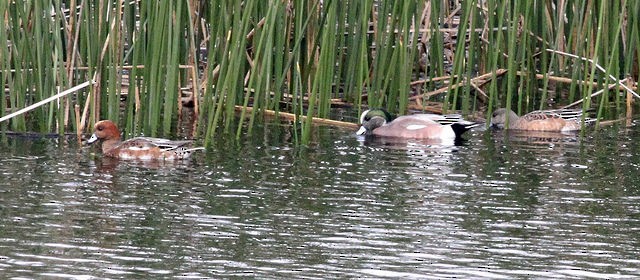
(184, 153)
(589, 121)
(460, 128)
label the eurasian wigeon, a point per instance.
(379, 122)
(559, 120)
(140, 148)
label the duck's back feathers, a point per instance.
(164, 144)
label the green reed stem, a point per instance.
(297, 56)
(495, 52)
(511, 59)
(595, 59)
(451, 98)
(172, 89)
(4, 65)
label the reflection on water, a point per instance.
(495, 206)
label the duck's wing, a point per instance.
(414, 121)
(442, 119)
(137, 144)
(163, 144)
(540, 116)
(566, 114)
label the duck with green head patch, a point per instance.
(379, 122)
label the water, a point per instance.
(497, 206)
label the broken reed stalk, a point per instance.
(295, 117)
(619, 82)
(593, 95)
(477, 81)
(629, 109)
(418, 106)
(435, 79)
(76, 110)
(47, 100)
(565, 80)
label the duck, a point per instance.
(558, 120)
(379, 122)
(139, 148)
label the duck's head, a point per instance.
(499, 117)
(372, 119)
(104, 130)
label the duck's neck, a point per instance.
(513, 117)
(108, 145)
(375, 122)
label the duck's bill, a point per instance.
(93, 138)
(496, 126)
(361, 131)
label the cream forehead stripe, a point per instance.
(363, 115)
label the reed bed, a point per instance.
(147, 60)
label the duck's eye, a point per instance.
(99, 128)
(367, 118)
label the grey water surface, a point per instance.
(499, 205)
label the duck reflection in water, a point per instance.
(111, 164)
(408, 143)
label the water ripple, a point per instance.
(493, 208)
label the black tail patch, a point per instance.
(461, 128)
